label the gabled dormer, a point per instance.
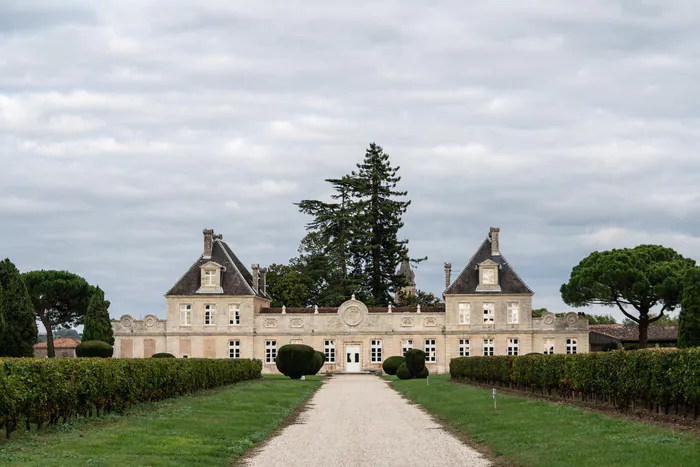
(210, 278)
(488, 277)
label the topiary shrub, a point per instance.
(392, 364)
(402, 372)
(94, 349)
(415, 361)
(316, 363)
(424, 373)
(162, 355)
(293, 359)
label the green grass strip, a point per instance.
(533, 433)
(207, 429)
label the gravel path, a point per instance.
(358, 420)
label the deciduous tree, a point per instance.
(689, 320)
(59, 298)
(636, 280)
(97, 325)
(20, 332)
(287, 286)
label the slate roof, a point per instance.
(406, 271)
(468, 279)
(235, 278)
(630, 332)
(60, 343)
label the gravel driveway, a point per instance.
(358, 420)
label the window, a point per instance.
(185, 315)
(210, 315)
(548, 346)
(488, 276)
(270, 351)
(464, 313)
(488, 347)
(488, 313)
(571, 345)
(464, 347)
(376, 352)
(234, 349)
(329, 350)
(513, 312)
(234, 315)
(513, 346)
(406, 345)
(209, 278)
(430, 350)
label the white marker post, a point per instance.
(494, 399)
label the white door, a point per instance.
(352, 358)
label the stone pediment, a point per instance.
(353, 312)
(488, 262)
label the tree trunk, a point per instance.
(50, 351)
(643, 330)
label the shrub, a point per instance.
(162, 355)
(415, 361)
(96, 349)
(392, 364)
(316, 363)
(293, 359)
(424, 373)
(403, 373)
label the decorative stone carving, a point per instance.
(549, 319)
(373, 321)
(127, 321)
(430, 322)
(407, 322)
(296, 323)
(270, 323)
(150, 321)
(571, 318)
(334, 322)
(352, 315)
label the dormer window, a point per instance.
(210, 278)
(488, 277)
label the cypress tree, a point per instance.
(97, 325)
(689, 319)
(2, 318)
(20, 334)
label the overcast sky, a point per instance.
(126, 127)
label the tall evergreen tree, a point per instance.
(380, 211)
(689, 320)
(97, 325)
(2, 318)
(20, 332)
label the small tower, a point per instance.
(410, 278)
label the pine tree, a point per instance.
(380, 214)
(2, 318)
(97, 325)
(20, 332)
(689, 320)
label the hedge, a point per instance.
(415, 361)
(49, 390)
(293, 360)
(650, 379)
(94, 349)
(392, 364)
(402, 372)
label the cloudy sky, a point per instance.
(126, 127)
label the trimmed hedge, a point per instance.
(316, 363)
(293, 360)
(48, 390)
(94, 349)
(424, 373)
(649, 378)
(415, 361)
(403, 373)
(163, 355)
(392, 364)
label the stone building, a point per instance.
(64, 347)
(220, 309)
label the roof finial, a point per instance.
(353, 297)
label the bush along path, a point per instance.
(527, 432)
(211, 428)
(55, 390)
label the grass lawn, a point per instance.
(532, 433)
(207, 429)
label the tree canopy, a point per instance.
(59, 298)
(689, 320)
(635, 280)
(20, 333)
(97, 325)
(421, 298)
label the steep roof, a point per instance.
(630, 333)
(468, 279)
(235, 277)
(406, 271)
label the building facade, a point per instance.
(220, 309)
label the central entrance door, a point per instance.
(352, 358)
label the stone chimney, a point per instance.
(448, 274)
(256, 276)
(494, 241)
(208, 242)
(263, 272)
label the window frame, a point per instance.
(464, 313)
(547, 348)
(210, 314)
(329, 351)
(234, 348)
(375, 352)
(405, 346)
(509, 309)
(187, 312)
(572, 345)
(430, 349)
(209, 278)
(489, 345)
(491, 307)
(270, 351)
(513, 346)
(464, 347)
(234, 308)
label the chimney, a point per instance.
(256, 276)
(208, 242)
(448, 274)
(263, 271)
(494, 241)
